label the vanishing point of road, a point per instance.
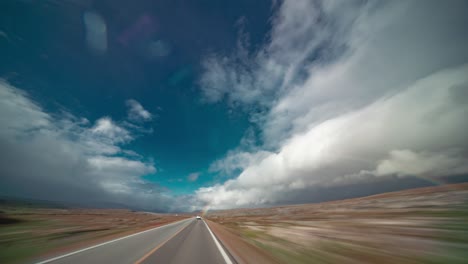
(186, 241)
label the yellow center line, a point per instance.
(158, 246)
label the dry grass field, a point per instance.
(27, 232)
(426, 225)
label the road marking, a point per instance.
(105, 243)
(220, 248)
(158, 246)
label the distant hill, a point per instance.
(6, 201)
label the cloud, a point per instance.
(354, 93)
(193, 176)
(119, 164)
(96, 31)
(406, 162)
(64, 158)
(107, 129)
(300, 33)
(136, 112)
(389, 47)
(18, 112)
(237, 160)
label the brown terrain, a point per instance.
(426, 225)
(27, 232)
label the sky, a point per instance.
(180, 105)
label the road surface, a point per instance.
(186, 241)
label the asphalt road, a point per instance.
(186, 241)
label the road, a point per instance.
(186, 241)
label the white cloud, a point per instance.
(62, 157)
(425, 118)
(406, 162)
(363, 90)
(96, 31)
(106, 163)
(389, 48)
(193, 176)
(107, 129)
(300, 31)
(18, 112)
(237, 160)
(136, 112)
(115, 172)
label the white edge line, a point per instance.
(105, 243)
(220, 248)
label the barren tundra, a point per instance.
(426, 225)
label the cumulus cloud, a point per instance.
(355, 92)
(106, 128)
(64, 158)
(136, 112)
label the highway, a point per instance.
(186, 241)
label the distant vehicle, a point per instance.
(198, 217)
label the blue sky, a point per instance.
(54, 65)
(176, 105)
